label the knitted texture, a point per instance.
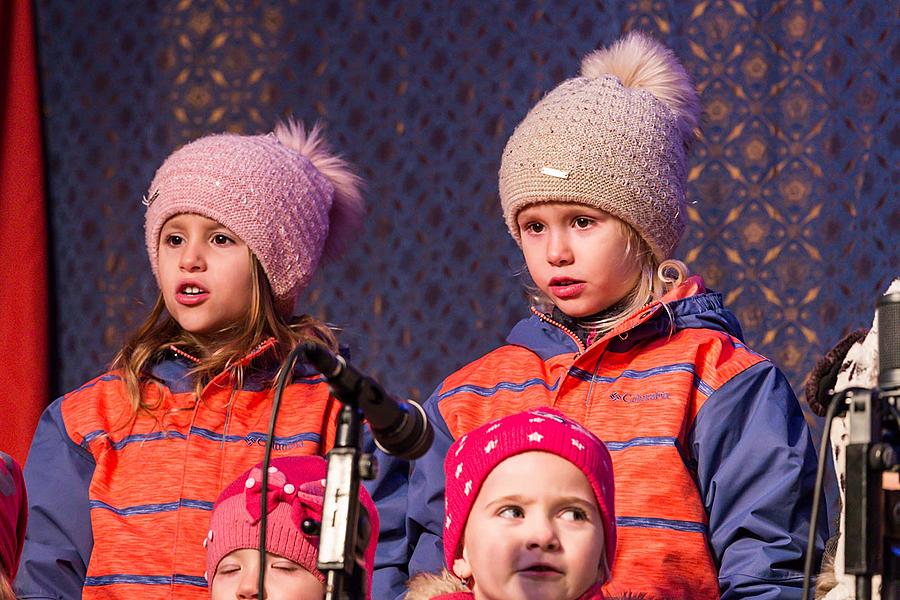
(472, 457)
(614, 138)
(13, 514)
(295, 493)
(282, 193)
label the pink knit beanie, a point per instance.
(472, 457)
(614, 138)
(13, 514)
(284, 194)
(296, 493)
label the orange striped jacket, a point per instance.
(713, 462)
(120, 507)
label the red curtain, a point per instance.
(23, 236)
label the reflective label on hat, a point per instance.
(555, 172)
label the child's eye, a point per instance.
(534, 227)
(173, 239)
(583, 222)
(573, 514)
(226, 569)
(285, 566)
(511, 512)
(220, 239)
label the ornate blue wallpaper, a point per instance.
(794, 213)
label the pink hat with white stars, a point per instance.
(472, 457)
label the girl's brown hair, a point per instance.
(219, 351)
(6, 591)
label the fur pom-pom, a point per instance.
(347, 208)
(424, 586)
(640, 62)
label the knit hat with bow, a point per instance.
(296, 493)
(284, 194)
(614, 138)
(472, 457)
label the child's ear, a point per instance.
(461, 567)
(603, 571)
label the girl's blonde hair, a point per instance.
(159, 333)
(655, 280)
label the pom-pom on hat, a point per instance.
(13, 514)
(284, 194)
(296, 493)
(472, 457)
(614, 138)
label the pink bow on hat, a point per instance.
(306, 501)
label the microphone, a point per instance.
(889, 342)
(399, 428)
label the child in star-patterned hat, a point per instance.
(529, 512)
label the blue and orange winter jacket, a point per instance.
(119, 508)
(713, 462)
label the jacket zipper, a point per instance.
(565, 329)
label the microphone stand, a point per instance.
(341, 542)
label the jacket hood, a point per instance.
(689, 306)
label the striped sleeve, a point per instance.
(58, 540)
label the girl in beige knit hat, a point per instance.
(713, 462)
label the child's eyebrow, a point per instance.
(509, 499)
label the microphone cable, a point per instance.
(817, 491)
(286, 371)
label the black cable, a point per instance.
(287, 369)
(817, 491)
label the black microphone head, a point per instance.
(889, 341)
(321, 358)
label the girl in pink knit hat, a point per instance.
(714, 463)
(529, 513)
(123, 471)
(296, 494)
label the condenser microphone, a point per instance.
(889, 342)
(399, 428)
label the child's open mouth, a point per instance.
(565, 287)
(190, 294)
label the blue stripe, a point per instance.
(147, 437)
(640, 441)
(646, 522)
(631, 374)
(192, 580)
(149, 509)
(90, 384)
(254, 437)
(701, 385)
(704, 387)
(503, 385)
(88, 438)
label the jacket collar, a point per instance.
(689, 306)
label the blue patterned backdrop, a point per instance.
(794, 215)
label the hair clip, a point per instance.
(148, 201)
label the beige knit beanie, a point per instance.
(615, 138)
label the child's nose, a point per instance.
(192, 258)
(541, 535)
(248, 586)
(559, 251)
